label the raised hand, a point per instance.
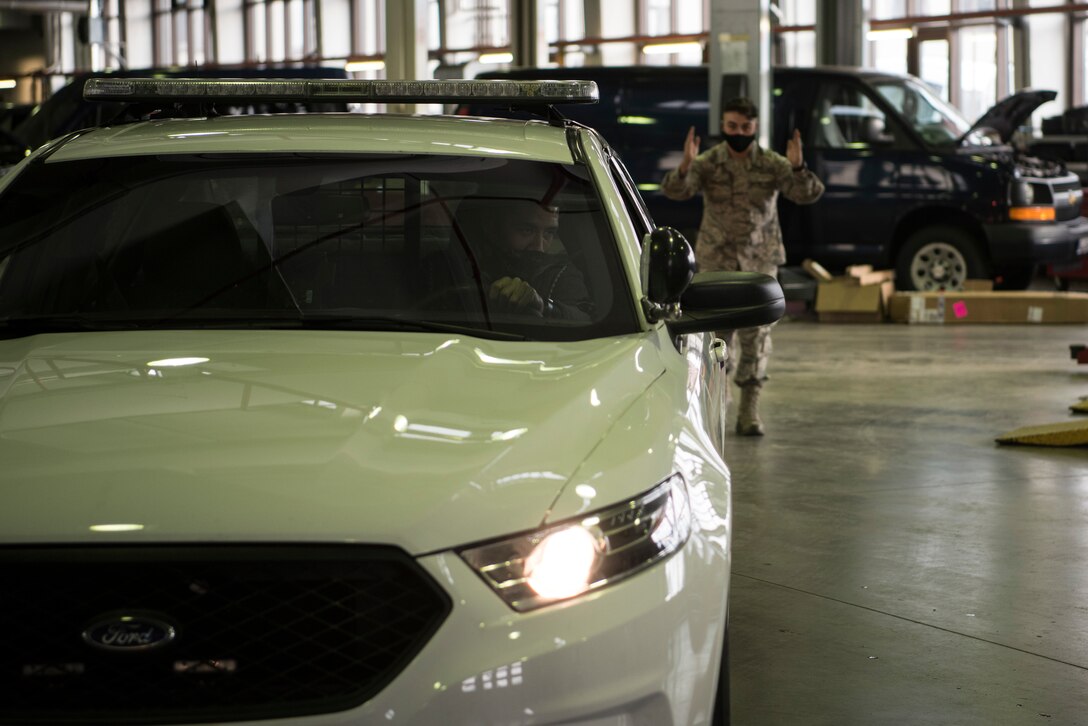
(691, 150)
(794, 150)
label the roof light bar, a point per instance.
(342, 91)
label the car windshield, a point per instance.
(497, 247)
(938, 123)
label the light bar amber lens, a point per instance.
(1032, 214)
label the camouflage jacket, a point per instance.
(739, 229)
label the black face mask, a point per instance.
(738, 142)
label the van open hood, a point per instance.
(1010, 113)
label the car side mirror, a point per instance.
(666, 269)
(729, 301)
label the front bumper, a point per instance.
(646, 650)
(1029, 244)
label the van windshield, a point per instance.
(938, 123)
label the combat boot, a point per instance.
(748, 422)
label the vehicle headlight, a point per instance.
(1021, 194)
(577, 556)
(1026, 194)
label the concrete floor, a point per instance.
(892, 564)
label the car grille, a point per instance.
(261, 631)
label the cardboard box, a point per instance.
(871, 277)
(842, 300)
(968, 307)
(817, 270)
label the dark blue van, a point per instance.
(66, 110)
(910, 183)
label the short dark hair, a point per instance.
(743, 106)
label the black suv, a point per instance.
(910, 183)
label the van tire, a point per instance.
(939, 258)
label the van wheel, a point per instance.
(721, 714)
(938, 258)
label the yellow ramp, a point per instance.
(1067, 433)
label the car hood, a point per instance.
(423, 441)
(1011, 112)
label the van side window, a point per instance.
(846, 118)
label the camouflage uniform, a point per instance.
(739, 229)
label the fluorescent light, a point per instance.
(496, 58)
(904, 33)
(364, 65)
(637, 120)
(116, 527)
(6, 83)
(667, 48)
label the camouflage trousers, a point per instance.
(749, 364)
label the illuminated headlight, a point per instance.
(572, 558)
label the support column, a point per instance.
(841, 30)
(405, 45)
(96, 35)
(406, 39)
(527, 40)
(594, 29)
(1021, 53)
(740, 59)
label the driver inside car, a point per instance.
(511, 240)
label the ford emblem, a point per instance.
(129, 632)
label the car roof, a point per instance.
(325, 133)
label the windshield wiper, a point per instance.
(23, 326)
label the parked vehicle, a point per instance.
(910, 183)
(67, 110)
(281, 445)
(12, 149)
(1065, 139)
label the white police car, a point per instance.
(348, 419)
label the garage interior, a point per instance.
(892, 563)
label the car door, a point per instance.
(704, 353)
